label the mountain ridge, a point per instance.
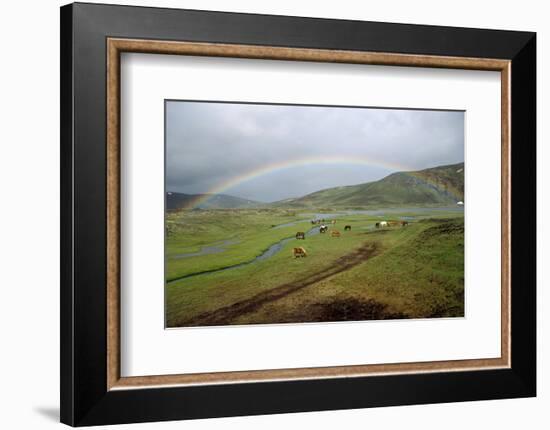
(440, 185)
(176, 200)
(431, 186)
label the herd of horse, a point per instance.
(299, 252)
(323, 229)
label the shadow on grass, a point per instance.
(351, 310)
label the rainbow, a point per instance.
(223, 186)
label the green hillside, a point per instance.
(434, 186)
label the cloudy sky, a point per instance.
(210, 145)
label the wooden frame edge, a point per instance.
(115, 46)
(506, 213)
(302, 54)
(113, 215)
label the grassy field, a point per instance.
(248, 232)
(415, 271)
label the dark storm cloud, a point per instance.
(207, 144)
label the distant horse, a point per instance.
(393, 223)
(333, 222)
(300, 235)
(323, 229)
(347, 227)
(381, 224)
(404, 223)
(299, 252)
(335, 233)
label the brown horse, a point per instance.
(404, 223)
(299, 252)
(335, 233)
(300, 235)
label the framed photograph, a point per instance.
(268, 214)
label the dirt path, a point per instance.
(226, 314)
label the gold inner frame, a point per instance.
(116, 46)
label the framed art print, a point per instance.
(249, 244)
(266, 214)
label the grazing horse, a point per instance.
(335, 233)
(381, 224)
(299, 252)
(347, 227)
(393, 223)
(404, 223)
(300, 235)
(323, 229)
(333, 222)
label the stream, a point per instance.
(276, 247)
(268, 253)
(207, 250)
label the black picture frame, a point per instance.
(85, 399)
